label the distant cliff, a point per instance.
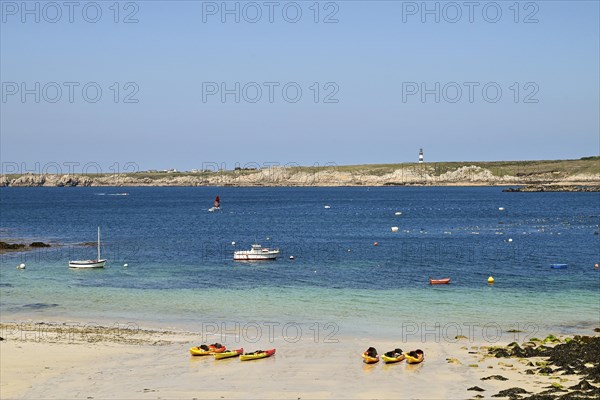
(584, 172)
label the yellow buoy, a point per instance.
(491, 279)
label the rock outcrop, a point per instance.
(442, 174)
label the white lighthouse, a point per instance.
(421, 156)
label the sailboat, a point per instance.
(97, 263)
(216, 205)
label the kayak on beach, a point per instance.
(255, 355)
(207, 350)
(228, 354)
(393, 356)
(370, 356)
(415, 357)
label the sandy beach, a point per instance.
(49, 360)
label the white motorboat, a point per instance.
(97, 263)
(256, 253)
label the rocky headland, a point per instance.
(557, 175)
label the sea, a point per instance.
(170, 261)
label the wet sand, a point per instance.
(53, 361)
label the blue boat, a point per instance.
(558, 266)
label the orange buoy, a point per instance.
(376, 244)
(596, 265)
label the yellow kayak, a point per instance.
(205, 350)
(415, 357)
(370, 356)
(228, 354)
(197, 351)
(257, 355)
(393, 356)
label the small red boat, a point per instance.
(443, 281)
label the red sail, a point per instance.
(217, 202)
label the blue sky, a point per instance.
(371, 61)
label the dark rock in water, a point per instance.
(1, 338)
(596, 329)
(530, 372)
(512, 393)
(478, 396)
(39, 244)
(11, 246)
(476, 388)
(583, 385)
(495, 377)
(553, 188)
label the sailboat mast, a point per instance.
(98, 243)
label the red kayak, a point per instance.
(444, 281)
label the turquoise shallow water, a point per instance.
(180, 272)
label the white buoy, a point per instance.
(21, 266)
(233, 243)
(500, 208)
(327, 206)
(394, 229)
(126, 265)
(291, 257)
(397, 213)
(509, 239)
